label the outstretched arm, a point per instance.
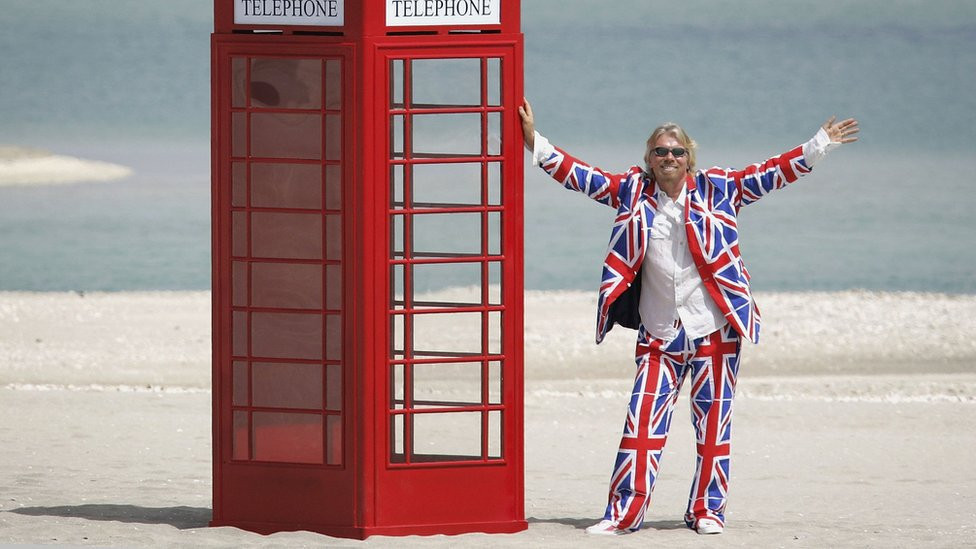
(758, 180)
(569, 171)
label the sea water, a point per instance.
(127, 81)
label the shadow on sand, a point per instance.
(182, 518)
(581, 524)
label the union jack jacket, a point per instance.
(713, 199)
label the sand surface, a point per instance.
(855, 426)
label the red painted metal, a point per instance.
(326, 410)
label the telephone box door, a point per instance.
(452, 398)
(282, 411)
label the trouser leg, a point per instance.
(660, 369)
(713, 370)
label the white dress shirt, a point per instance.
(672, 291)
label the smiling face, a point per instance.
(668, 170)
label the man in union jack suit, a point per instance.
(673, 273)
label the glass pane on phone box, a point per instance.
(286, 83)
(450, 384)
(238, 78)
(396, 83)
(241, 439)
(437, 334)
(397, 236)
(446, 82)
(446, 234)
(286, 185)
(286, 285)
(333, 84)
(447, 284)
(447, 436)
(446, 184)
(437, 135)
(286, 235)
(397, 336)
(494, 81)
(284, 135)
(286, 335)
(290, 438)
(495, 434)
(286, 385)
(239, 283)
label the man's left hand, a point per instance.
(841, 132)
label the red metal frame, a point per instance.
(368, 491)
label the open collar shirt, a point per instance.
(672, 291)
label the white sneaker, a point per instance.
(606, 528)
(708, 526)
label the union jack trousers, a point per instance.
(712, 362)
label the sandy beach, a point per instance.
(854, 426)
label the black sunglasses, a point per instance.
(678, 152)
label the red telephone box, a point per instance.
(367, 266)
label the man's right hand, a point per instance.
(528, 124)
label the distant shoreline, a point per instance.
(24, 166)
